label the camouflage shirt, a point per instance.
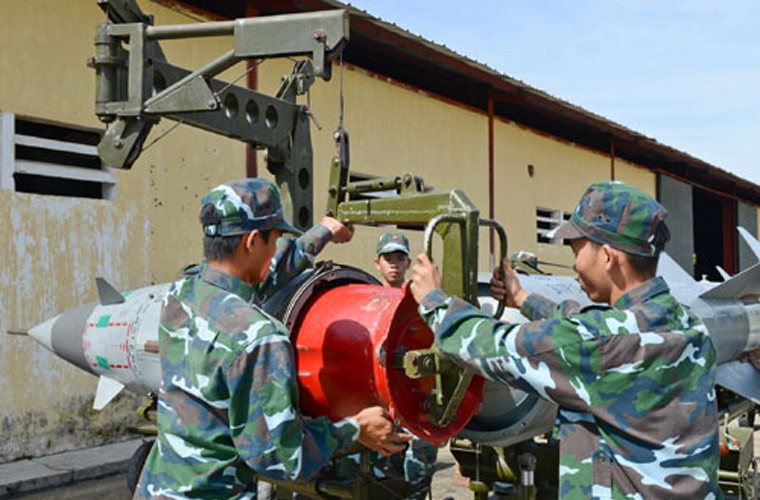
(228, 400)
(634, 382)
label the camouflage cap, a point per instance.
(392, 242)
(242, 206)
(619, 215)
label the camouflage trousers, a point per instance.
(415, 465)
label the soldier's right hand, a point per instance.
(341, 233)
(505, 285)
(376, 431)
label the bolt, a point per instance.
(428, 363)
(320, 35)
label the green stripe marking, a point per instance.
(102, 362)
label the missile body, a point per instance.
(116, 340)
(730, 310)
(349, 333)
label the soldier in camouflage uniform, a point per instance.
(392, 259)
(634, 379)
(228, 400)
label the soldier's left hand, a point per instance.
(376, 431)
(425, 277)
(751, 356)
(341, 233)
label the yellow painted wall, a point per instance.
(393, 130)
(396, 129)
(53, 247)
(561, 173)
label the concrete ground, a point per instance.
(58, 471)
(100, 473)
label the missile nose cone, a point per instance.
(43, 333)
(63, 334)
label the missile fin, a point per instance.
(723, 273)
(672, 270)
(750, 240)
(107, 294)
(741, 378)
(746, 282)
(108, 388)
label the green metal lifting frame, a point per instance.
(136, 87)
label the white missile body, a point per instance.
(730, 311)
(116, 339)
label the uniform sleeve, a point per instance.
(548, 357)
(293, 255)
(538, 307)
(268, 430)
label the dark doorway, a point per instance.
(714, 235)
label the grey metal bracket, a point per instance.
(136, 87)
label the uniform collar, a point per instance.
(232, 284)
(642, 293)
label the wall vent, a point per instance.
(52, 159)
(546, 220)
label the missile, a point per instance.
(349, 334)
(115, 339)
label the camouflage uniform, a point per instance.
(634, 381)
(228, 401)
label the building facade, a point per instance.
(523, 157)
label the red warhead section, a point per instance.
(345, 343)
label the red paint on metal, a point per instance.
(491, 181)
(345, 343)
(126, 343)
(252, 82)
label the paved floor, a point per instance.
(54, 471)
(99, 473)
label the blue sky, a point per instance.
(684, 72)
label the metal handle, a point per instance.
(428, 241)
(431, 226)
(502, 254)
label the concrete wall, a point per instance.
(53, 247)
